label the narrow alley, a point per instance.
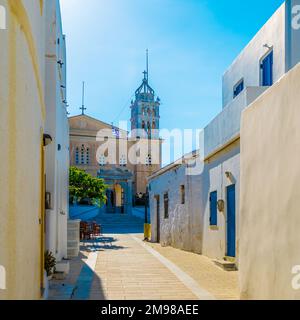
(121, 266)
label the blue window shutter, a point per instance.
(267, 70)
(214, 208)
(238, 88)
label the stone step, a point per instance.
(225, 265)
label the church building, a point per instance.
(124, 160)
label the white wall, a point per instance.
(22, 119)
(270, 192)
(188, 226)
(182, 229)
(277, 33)
(214, 179)
(57, 154)
(247, 64)
(225, 127)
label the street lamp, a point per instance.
(140, 195)
(146, 201)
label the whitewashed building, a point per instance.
(208, 222)
(174, 203)
(57, 153)
(33, 128)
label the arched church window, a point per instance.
(77, 155)
(153, 125)
(82, 154)
(143, 125)
(149, 160)
(88, 156)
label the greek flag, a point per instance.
(116, 132)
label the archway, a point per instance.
(119, 198)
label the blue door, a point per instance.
(267, 70)
(231, 233)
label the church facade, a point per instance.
(124, 160)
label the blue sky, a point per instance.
(191, 43)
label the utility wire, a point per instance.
(122, 110)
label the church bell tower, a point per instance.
(145, 110)
(145, 125)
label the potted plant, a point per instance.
(50, 263)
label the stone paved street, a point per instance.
(128, 271)
(222, 284)
(122, 266)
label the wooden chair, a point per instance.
(96, 230)
(85, 231)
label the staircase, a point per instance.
(119, 223)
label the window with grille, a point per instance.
(88, 156)
(149, 160)
(82, 155)
(77, 155)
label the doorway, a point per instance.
(157, 198)
(231, 219)
(42, 216)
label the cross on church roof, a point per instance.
(145, 88)
(82, 107)
(145, 75)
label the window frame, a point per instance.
(261, 62)
(236, 86)
(77, 156)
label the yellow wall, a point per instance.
(270, 192)
(22, 114)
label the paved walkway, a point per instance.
(122, 266)
(131, 272)
(222, 284)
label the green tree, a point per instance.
(82, 185)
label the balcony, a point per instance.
(225, 127)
